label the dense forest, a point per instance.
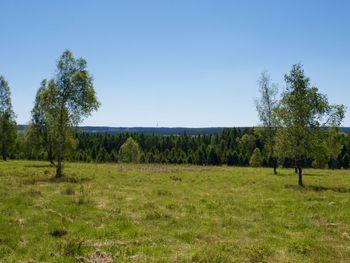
(234, 146)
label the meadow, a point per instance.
(171, 213)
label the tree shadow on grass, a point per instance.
(39, 166)
(43, 180)
(308, 174)
(317, 188)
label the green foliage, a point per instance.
(41, 131)
(213, 156)
(102, 147)
(266, 107)
(247, 143)
(320, 163)
(267, 102)
(8, 126)
(65, 101)
(130, 151)
(334, 143)
(256, 159)
(302, 113)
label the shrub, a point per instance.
(256, 159)
(130, 151)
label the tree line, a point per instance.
(298, 128)
(234, 147)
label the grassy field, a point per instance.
(158, 213)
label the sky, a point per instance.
(183, 63)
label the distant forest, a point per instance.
(160, 130)
(227, 146)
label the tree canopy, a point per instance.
(67, 99)
(8, 126)
(302, 114)
(266, 107)
(130, 151)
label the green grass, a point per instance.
(163, 213)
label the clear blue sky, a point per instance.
(191, 63)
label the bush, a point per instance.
(256, 159)
(130, 151)
(319, 164)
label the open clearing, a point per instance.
(163, 213)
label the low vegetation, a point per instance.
(171, 213)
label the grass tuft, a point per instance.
(58, 232)
(72, 247)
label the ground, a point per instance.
(163, 213)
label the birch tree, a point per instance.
(8, 126)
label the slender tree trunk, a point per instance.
(61, 140)
(300, 180)
(50, 154)
(4, 151)
(275, 166)
(296, 166)
(300, 174)
(59, 160)
(274, 159)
